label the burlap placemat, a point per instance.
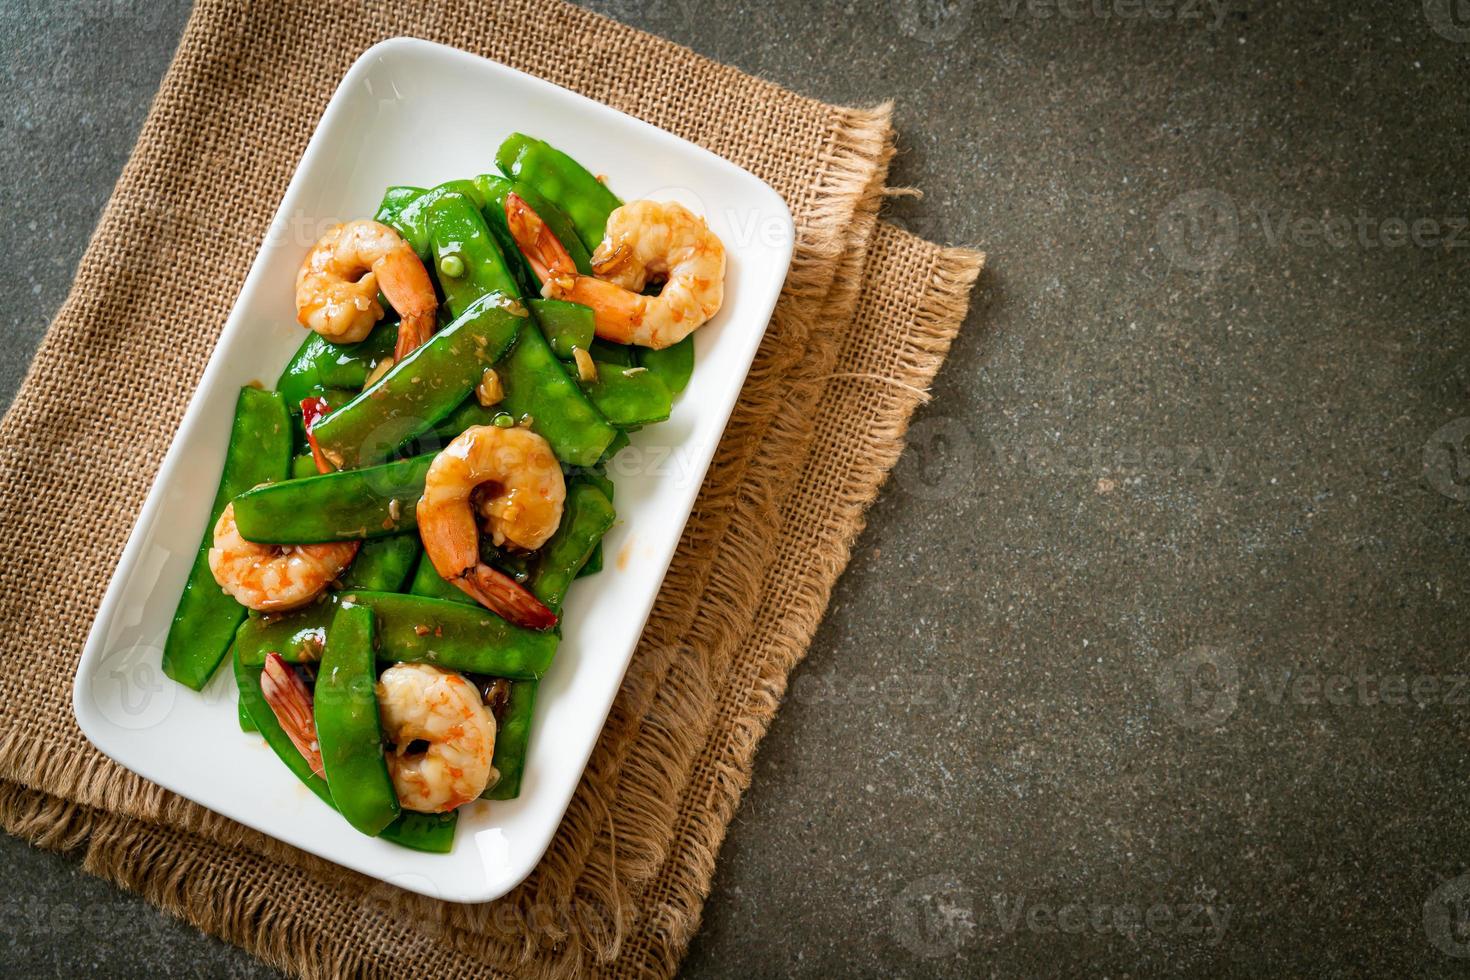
(864, 320)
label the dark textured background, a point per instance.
(1152, 656)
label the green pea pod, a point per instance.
(599, 479)
(586, 517)
(569, 185)
(468, 188)
(536, 384)
(629, 396)
(424, 387)
(411, 629)
(672, 365)
(594, 563)
(318, 363)
(512, 741)
(246, 725)
(206, 618)
(493, 190)
(303, 466)
(566, 326)
(428, 582)
(431, 832)
(420, 831)
(382, 564)
(347, 728)
(396, 212)
(414, 629)
(298, 636)
(347, 505)
(466, 257)
(470, 412)
(609, 353)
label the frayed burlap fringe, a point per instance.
(621, 887)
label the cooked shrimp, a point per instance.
(291, 703)
(337, 286)
(271, 577)
(516, 481)
(422, 703)
(645, 240)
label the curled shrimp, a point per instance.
(270, 577)
(422, 703)
(512, 477)
(337, 286)
(644, 241)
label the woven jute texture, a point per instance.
(864, 320)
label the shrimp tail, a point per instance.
(413, 332)
(312, 411)
(548, 257)
(505, 597)
(290, 701)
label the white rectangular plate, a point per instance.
(411, 112)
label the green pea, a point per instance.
(451, 266)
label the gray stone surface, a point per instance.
(1152, 656)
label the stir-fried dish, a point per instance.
(399, 521)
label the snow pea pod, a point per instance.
(415, 629)
(410, 629)
(347, 505)
(382, 564)
(206, 618)
(466, 257)
(566, 326)
(470, 412)
(298, 636)
(512, 740)
(672, 365)
(568, 185)
(395, 212)
(318, 363)
(424, 387)
(432, 832)
(347, 727)
(536, 384)
(429, 583)
(610, 353)
(629, 396)
(586, 517)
